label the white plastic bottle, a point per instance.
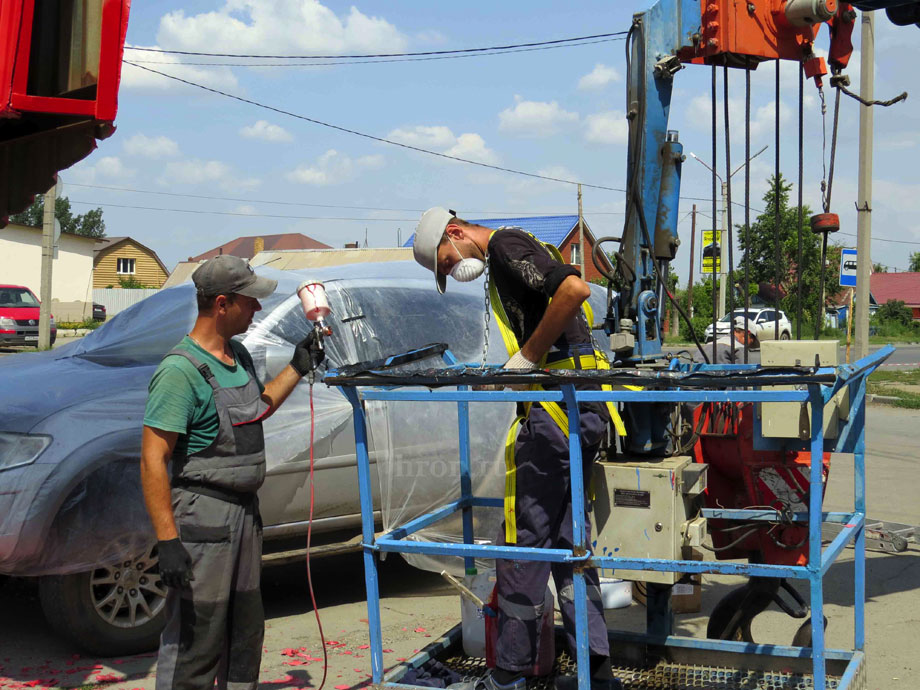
(472, 617)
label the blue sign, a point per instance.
(848, 265)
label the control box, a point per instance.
(648, 509)
(793, 420)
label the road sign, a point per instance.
(711, 252)
(848, 264)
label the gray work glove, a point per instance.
(175, 563)
(308, 354)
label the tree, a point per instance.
(759, 252)
(894, 310)
(89, 224)
(914, 266)
(879, 268)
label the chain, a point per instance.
(486, 315)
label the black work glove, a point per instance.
(175, 563)
(308, 354)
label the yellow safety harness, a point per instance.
(596, 360)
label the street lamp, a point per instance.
(723, 247)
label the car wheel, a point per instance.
(784, 335)
(109, 611)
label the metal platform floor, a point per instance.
(664, 675)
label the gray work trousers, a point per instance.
(214, 628)
(543, 510)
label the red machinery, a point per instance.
(60, 67)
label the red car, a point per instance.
(19, 316)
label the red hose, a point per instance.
(319, 623)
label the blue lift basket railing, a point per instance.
(680, 383)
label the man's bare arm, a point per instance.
(156, 450)
(279, 388)
(570, 295)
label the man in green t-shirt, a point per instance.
(202, 461)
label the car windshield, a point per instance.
(17, 297)
(738, 312)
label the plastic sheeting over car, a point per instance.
(79, 505)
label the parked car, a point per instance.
(19, 308)
(98, 312)
(71, 509)
(763, 322)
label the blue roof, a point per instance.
(552, 229)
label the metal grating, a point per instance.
(671, 676)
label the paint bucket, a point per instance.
(615, 593)
(313, 298)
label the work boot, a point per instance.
(487, 682)
(571, 683)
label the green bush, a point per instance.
(699, 327)
(89, 323)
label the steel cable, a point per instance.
(715, 232)
(798, 266)
(747, 195)
(776, 209)
(729, 277)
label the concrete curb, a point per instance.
(74, 332)
(881, 399)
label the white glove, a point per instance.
(519, 361)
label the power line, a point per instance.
(381, 55)
(882, 239)
(244, 215)
(302, 203)
(369, 62)
(371, 136)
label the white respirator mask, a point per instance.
(466, 270)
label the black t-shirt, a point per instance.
(526, 277)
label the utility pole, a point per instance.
(864, 191)
(581, 235)
(44, 312)
(692, 261)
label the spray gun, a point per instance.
(316, 308)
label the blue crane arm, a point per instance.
(650, 240)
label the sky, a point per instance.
(556, 112)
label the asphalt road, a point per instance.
(904, 356)
(417, 606)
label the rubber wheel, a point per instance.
(802, 636)
(722, 614)
(110, 611)
(784, 335)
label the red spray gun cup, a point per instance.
(315, 304)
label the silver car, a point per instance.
(763, 322)
(71, 508)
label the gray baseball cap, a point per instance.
(226, 274)
(428, 236)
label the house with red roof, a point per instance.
(248, 247)
(897, 286)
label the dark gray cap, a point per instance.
(226, 274)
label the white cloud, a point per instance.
(266, 131)
(441, 139)
(288, 26)
(245, 209)
(608, 127)
(762, 118)
(194, 171)
(151, 147)
(138, 78)
(598, 78)
(107, 168)
(534, 118)
(334, 168)
(433, 137)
